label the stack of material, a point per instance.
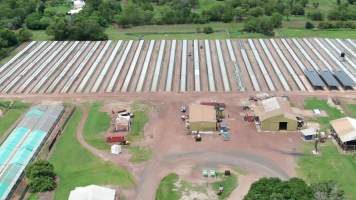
(122, 123)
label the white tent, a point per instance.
(116, 149)
(92, 192)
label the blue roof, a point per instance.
(314, 78)
(344, 79)
(329, 79)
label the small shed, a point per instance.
(275, 114)
(202, 118)
(92, 192)
(344, 131)
(308, 134)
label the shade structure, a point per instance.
(314, 78)
(344, 79)
(329, 79)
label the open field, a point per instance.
(167, 189)
(79, 167)
(253, 65)
(333, 113)
(330, 165)
(96, 126)
(188, 32)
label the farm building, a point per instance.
(344, 131)
(202, 118)
(275, 114)
(92, 192)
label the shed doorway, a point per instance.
(283, 125)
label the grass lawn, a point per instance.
(167, 189)
(228, 182)
(96, 125)
(75, 166)
(173, 188)
(139, 121)
(223, 31)
(330, 165)
(10, 114)
(139, 154)
(351, 110)
(293, 32)
(33, 197)
(40, 35)
(333, 113)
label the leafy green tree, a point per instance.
(274, 188)
(315, 15)
(41, 176)
(42, 184)
(40, 168)
(7, 38)
(59, 29)
(208, 30)
(309, 25)
(276, 20)
(297, 9)
(259, 25)
(35, 22)
(24, 35)
(256, 12)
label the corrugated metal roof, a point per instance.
(329, 79)
(314, 78)
(345, 128)
(344, 79)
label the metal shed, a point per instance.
(344, 79)
(329, 79)
(314, 79)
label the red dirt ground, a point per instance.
(262, 154)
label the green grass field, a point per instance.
(167, 189)
(139, 154)
(75, 166)
(40, 35)
(228, 182)
(139, 121)
(333, 113)
(33, 197)
(96, 125)
(10, 115)
(330, 165)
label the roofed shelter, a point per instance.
(92, 192)
(202, 118)
(344, 131)
(275, 114)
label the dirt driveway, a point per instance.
(260, 154)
